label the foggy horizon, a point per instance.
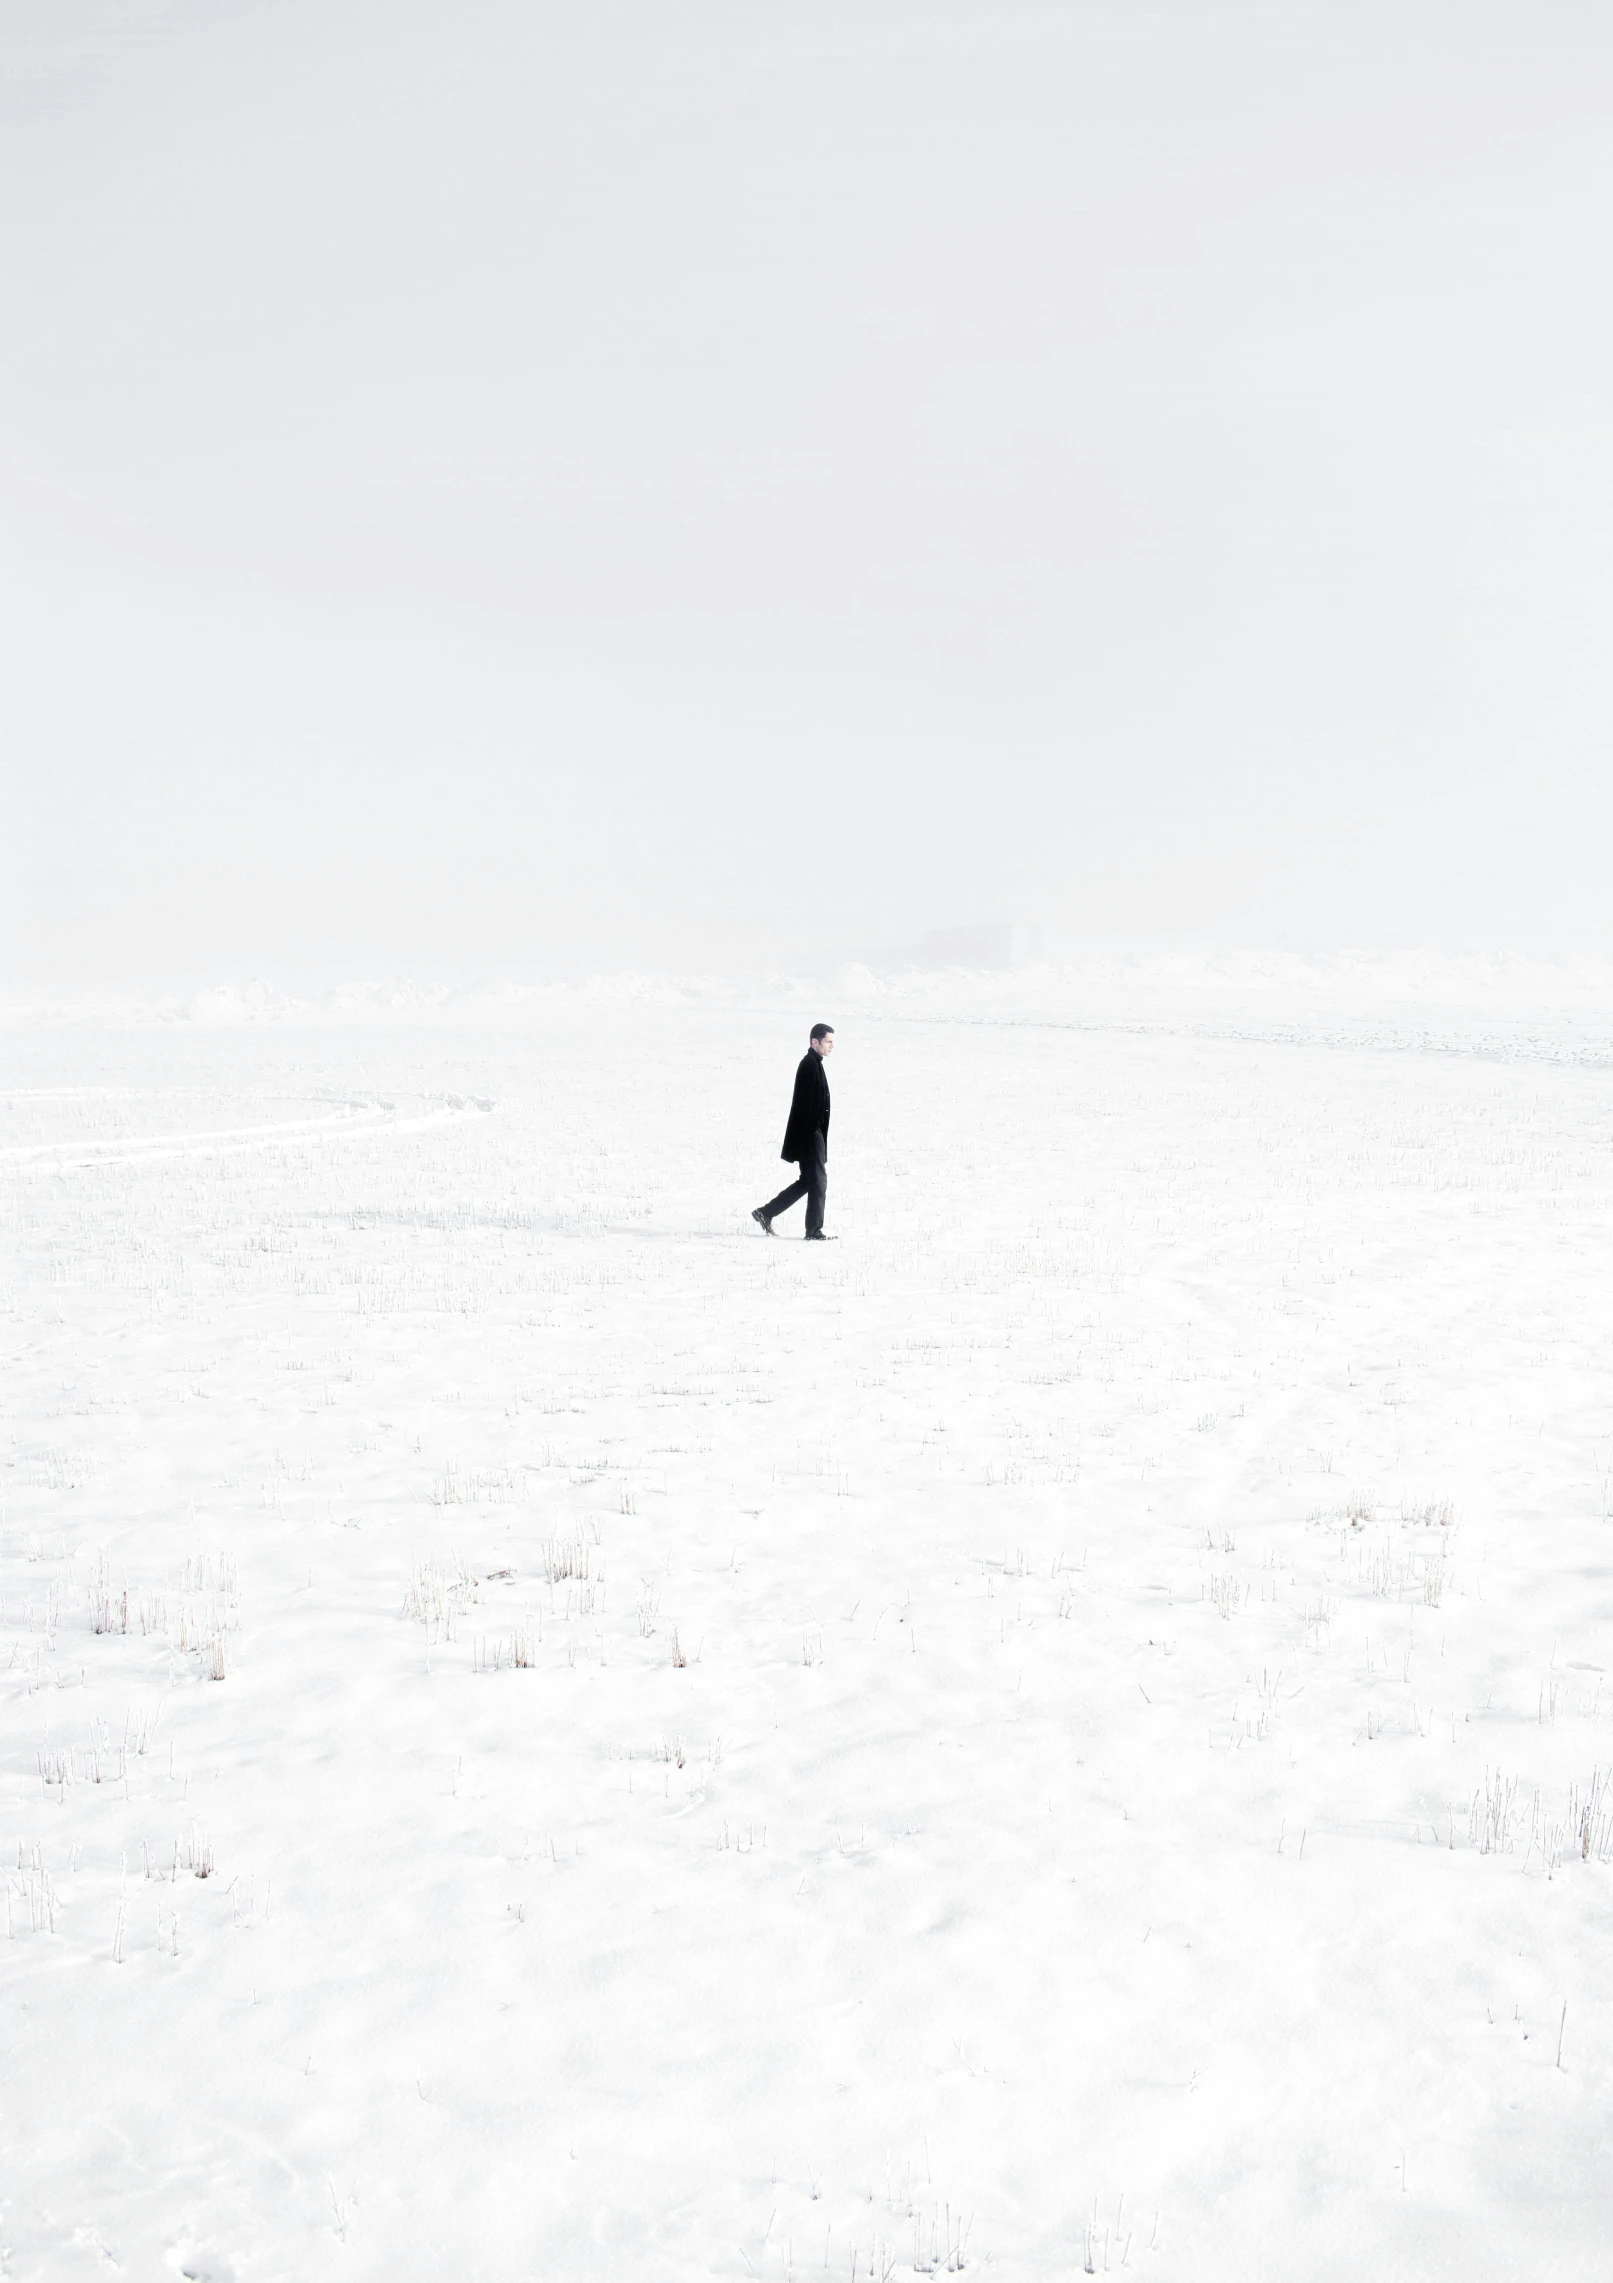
(708, 488)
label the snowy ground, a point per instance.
(1066, 1731)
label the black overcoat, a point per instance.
(809, 1108)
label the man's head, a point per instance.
(823, 1038)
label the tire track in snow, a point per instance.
(234, 1141)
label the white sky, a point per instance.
(498, 485)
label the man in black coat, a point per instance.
(806, 1138)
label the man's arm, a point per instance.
(820, 1111)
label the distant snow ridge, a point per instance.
(1243, 992)
(1357, 976)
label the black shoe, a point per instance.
(760, 1217)
(816, 1237)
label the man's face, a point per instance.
(825, 1045)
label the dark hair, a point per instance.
(822, 1030)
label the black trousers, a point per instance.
(813, 1185)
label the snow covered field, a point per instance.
(545, 1735)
